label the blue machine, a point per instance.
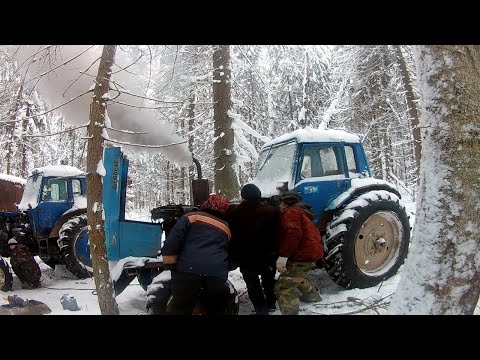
(364, 227)
(124, 237)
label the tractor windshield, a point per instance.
(30, 193)
(275, 165)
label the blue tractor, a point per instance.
(364, 226)
(53, 201)
(52, 222)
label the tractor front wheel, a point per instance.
(74, 246)
(367, 240)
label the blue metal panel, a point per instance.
(319, 194)
(123, 237)
(112, 187)
(139, 239)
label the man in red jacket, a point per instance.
(300, 246)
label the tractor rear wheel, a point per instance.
(159, 294)
(367, 240)
(74, 246)
(6, 278)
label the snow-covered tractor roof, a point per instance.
(316, 135)
(58, 170)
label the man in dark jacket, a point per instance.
(254, 246)
(24, 265)
(300, 246)
(196, 252)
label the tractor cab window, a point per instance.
(55, 190)
(306, 167)
(320, 162)
(328, 161)
(76, 187)
(352, 165)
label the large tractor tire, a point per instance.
(146, 276)
(159, 294)
(74, 246)
(367, 240)
(6, 278)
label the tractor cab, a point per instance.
(50, 192)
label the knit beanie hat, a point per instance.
(12, 241)
(216, 202)
(251, 192)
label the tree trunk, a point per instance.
(9, 131)
(72, 155)
(226, 181)
(167, 187)
(98, 249)
(23, 147)
(442, 272)
(412, 108)
(191, 123)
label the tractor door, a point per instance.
(322, 174)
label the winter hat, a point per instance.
(291, 197)
(12, 241)
(251, 192)
(216, 202)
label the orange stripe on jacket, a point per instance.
(169, 259)
(209, 220)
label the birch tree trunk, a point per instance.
(98, 249)
(442, 273)
(226, 181)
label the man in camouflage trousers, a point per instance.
(24, 265)
(300, 246)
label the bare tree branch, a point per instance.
(144, 97)
(59, 132)
(146, 146)
(126, 131)
(62, 64)
(126, 67)
(49, 111)
(81, 74)
(144, 107)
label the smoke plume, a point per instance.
(65, 83)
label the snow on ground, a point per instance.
(336, 300)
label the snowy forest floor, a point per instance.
(336, 300)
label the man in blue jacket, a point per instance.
(196, 251)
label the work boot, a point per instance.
(272, 307)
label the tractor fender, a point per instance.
(63, 219)
(361, 186)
